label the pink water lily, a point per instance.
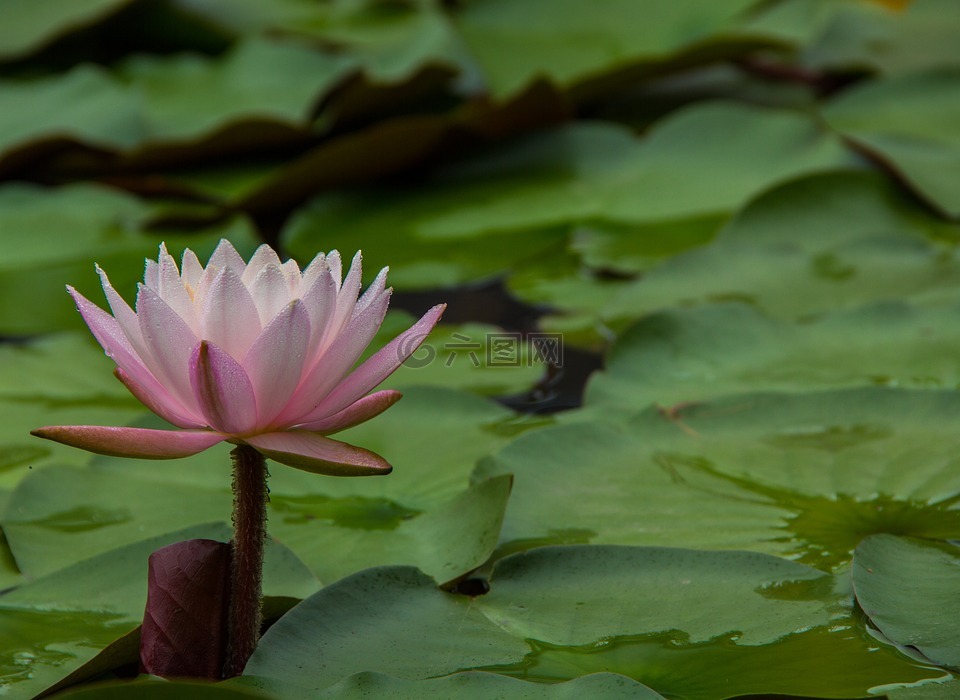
(256, 354)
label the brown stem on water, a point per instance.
(250, 498)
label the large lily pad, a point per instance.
(423, 632)
(187, 97)
(907, 588)
(447, 541)
(910, 123)
(801, 475)
(825, 242)
(568, 41)
(392, 620)
(86, 105)
(599, 596)
(390, 40)
(685, 355)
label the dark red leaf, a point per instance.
(184, 626)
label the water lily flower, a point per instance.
(256, 354)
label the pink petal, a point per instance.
(169, 341)
(229, 316)
(131, 442)
(112, 339)
(312, 272)
(265, 255)
(190, 269)
(363, 410)
(226, 257)
(270, 292)
(373, 291)
(151, 274)
(125, 316)
(320, 301)
(346, 299)
(335, 362)
(275, 360)
(336, 266)
(223, 390)
(317, 454)
(171, 290)
(377, 368)
(291, 271)
(160, 401)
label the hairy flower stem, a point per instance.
(250, 496)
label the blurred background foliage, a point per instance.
(742, 216)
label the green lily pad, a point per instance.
(637, 611)
(764, 598)
(392, 620)
(825, 242)
(390, 40)
(422, 632)
(585, 483)
(945, 688)
(323, 224)
(85, 105)
(797, 22)
(630, 248)
(569, 41)
(800, 475)
(909, 122)
(446, 541)
(55, 628)
(27, 26)
(187, 97)
(685, 355)
(892, 40)
(907, 588)
(503, 210)
(162, 100)
(58, 516)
